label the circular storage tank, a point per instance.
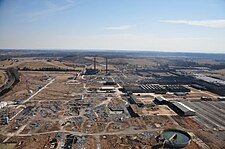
(175, 138)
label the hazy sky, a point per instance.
(158, 25)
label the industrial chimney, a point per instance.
(106, 65)
(94, 63)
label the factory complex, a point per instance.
(98, 101)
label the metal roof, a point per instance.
(160, 98)
(183, 107)
(107, 88)
(209, 79)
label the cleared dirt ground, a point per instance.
(2, 78)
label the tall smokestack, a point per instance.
(106, 65)
(94, 63)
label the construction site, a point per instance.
(105, 103)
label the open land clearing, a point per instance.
(2, 78)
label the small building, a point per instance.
(110, 81)
(182, 109)
(134, 100)
(161, 100)
(116, 110)
(107, 89)
(221, 98)
(180, 93)
(206, 98)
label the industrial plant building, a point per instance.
(182, 109)
(134, 100)
(108, 89)
(177, 88)
(161, 100)
(110, 81)
(133, 89)
(133, 110)
(153, 88)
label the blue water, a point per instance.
(181, 138)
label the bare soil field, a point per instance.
(2, 77)
(34, 142)
(159, 110)
(33, 63)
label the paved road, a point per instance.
(16, 114)
(124, 132)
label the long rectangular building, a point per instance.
(161, 100)
(134, 100)
(133, 110)
(182, 109)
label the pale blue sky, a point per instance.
(158, 25)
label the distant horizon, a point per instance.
(113, 50)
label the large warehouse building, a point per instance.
(182, 109)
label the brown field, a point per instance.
(34, 142)
(37, 64)
(202, 62)
(2, 78)
(158, 110)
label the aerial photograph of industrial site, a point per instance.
(121, 74)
